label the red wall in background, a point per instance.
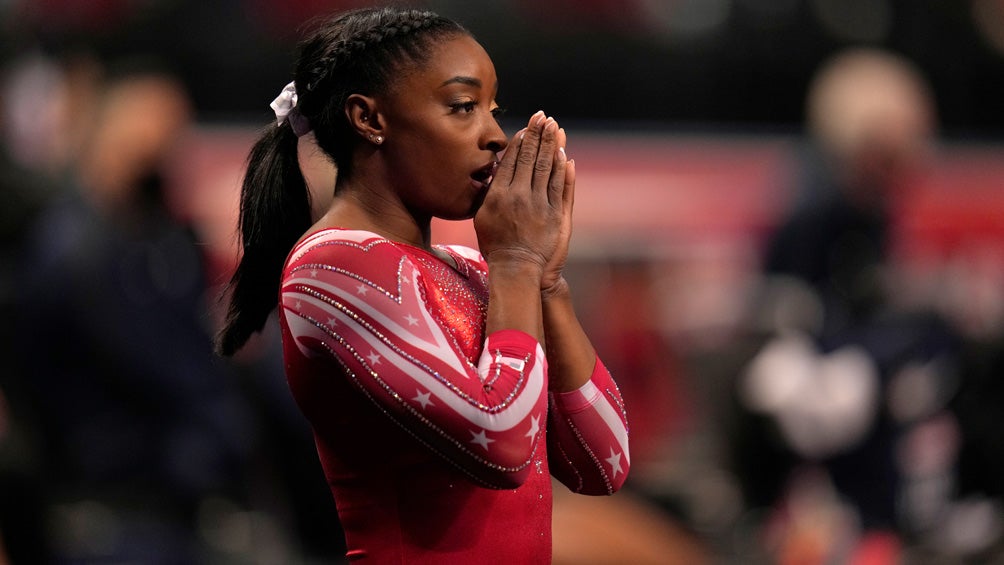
(654, 195)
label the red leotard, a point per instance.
(437, 443)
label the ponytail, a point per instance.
(274, 214)
(357, 51)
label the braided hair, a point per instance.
(356, 52)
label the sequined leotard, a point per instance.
(437, 442)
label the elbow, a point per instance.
(507, 468)
(616, 484)
(605, 487)
(496, 475)
(507, 481)
(618, 478)
(600, 479)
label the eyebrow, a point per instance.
(470, 81)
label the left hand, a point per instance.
(555, 265)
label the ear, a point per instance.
(364, 117)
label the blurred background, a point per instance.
(789, 251)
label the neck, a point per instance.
(358, 205)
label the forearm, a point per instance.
(570, 355)
(587, 436)
(587, 424)
(514, 300)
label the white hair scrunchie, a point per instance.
(284, 107)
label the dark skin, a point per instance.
(423, 151)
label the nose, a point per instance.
(494, 138)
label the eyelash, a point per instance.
(468, 107)
(464, 107)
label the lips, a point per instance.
(483, 176)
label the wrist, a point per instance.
(559, 289)
(515, 262)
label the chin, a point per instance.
(451, 217)
(476, 205)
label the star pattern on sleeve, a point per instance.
(423, 398)
(534, 428)
(412, 321)
(481, 439)
(361, 290)
(374, 358)
(615, 462)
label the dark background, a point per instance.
(678, 64)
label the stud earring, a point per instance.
(378, 139)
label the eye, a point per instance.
(498, 112)
(464, 107)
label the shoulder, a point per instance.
(333, 244)
(358, 254)
(467, 254)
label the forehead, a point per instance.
(459, 56)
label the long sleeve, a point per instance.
(361, 302)
(588, 436)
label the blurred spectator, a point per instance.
(856, 446)
(25, 190)
(140, 424)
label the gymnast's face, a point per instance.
(441, 135)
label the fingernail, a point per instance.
(562, 149)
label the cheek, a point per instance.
(431, 160)
(439, 158)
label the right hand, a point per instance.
(521, 218)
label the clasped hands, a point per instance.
(526, 218)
